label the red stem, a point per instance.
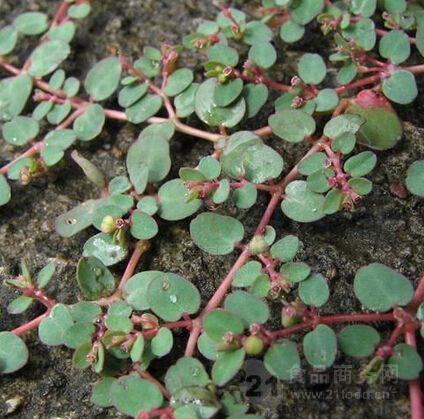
(335, 318)
(141, 247)
(415, 394)
(19, 331)
(358, 83)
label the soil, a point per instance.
(382, 228)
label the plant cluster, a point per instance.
(121, 328)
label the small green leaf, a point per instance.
(162, 343)
(178, 81)
(282, 360)
(94, 279)
(320, 347)
(174, 203)
(126, 395)
(79, 358)
(314, 290)
(312, 163)
(342, 124)
(5, 193)
(380, 288)
(77, 219)
(8, 39)
(84, 311)
(20, 130)
(186, 372)
(263, 54)
(148, 204)
(207, 347)
(364, 8)
(135, 290)
(359, 340)
(47, 57)
(295, 271)
(414, 178)
(103, 79)
(92, 172)
(395, 46)
(301, 204)
(151, 152)
(292, 125)
(222, 193)
(286, 248)
(172, 296)
(31, 23)
(19, 304)
(312, 68)
(63, 32)
(143, 109)
(326, 100)
(361, 164)
(13, 353)
(101, 392)
(247, 274)
(255, 96)
(213, 115)
(78, 335)
(14, 93)
(184, 102)
(131, 93)
(59, 112)
(45, 275)
(218, 323)
(103, 247)
(209, 167)
(306, 10)
(52, 328)
(90, 124)
(227, 365)
(143, 226)
(395, 6)
(223, 54)
(291, 32)
(360, 185)
(137, 349)
(62, 138)
(227, 93)
(247, 307)
(79, 11)
(406, 362)
(400, 87)
(216, 234)
(246, 196)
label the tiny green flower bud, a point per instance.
(258, 245)
(108, 224)
(253, 345)
(289, 317)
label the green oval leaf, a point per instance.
(359, 340)
(380, 288)
(216, 234)
(13, 353)
(103, 79)
(320, 347)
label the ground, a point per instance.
(383, 228)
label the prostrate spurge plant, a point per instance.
(119, 330)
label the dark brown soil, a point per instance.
(383, 228)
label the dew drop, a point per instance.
(173, 298)
(314, 210)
